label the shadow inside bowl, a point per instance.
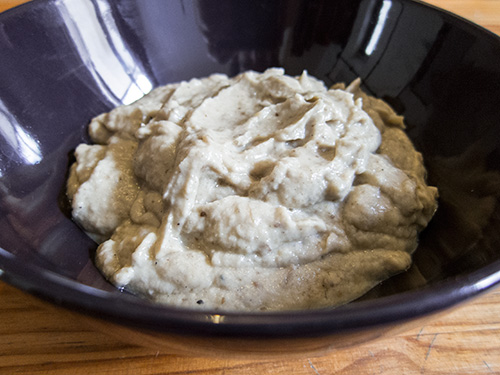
(440, 72)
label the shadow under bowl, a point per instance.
(63, 62)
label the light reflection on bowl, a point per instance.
(63, 62)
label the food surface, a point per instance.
(258, 192)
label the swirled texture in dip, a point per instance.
(258, 192)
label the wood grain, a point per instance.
(483, 12)
(37, 339)
(7, 4)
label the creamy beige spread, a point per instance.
(258, 192)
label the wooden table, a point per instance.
(36, 339)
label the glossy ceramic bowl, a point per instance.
(63, 62)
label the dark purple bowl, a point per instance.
(63, 62)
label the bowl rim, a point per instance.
(128, 310)
(132, 311)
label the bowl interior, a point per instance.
(63, 62)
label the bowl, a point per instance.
(63, 62)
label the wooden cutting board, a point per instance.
(36, 339)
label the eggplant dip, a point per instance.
(257, 192)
